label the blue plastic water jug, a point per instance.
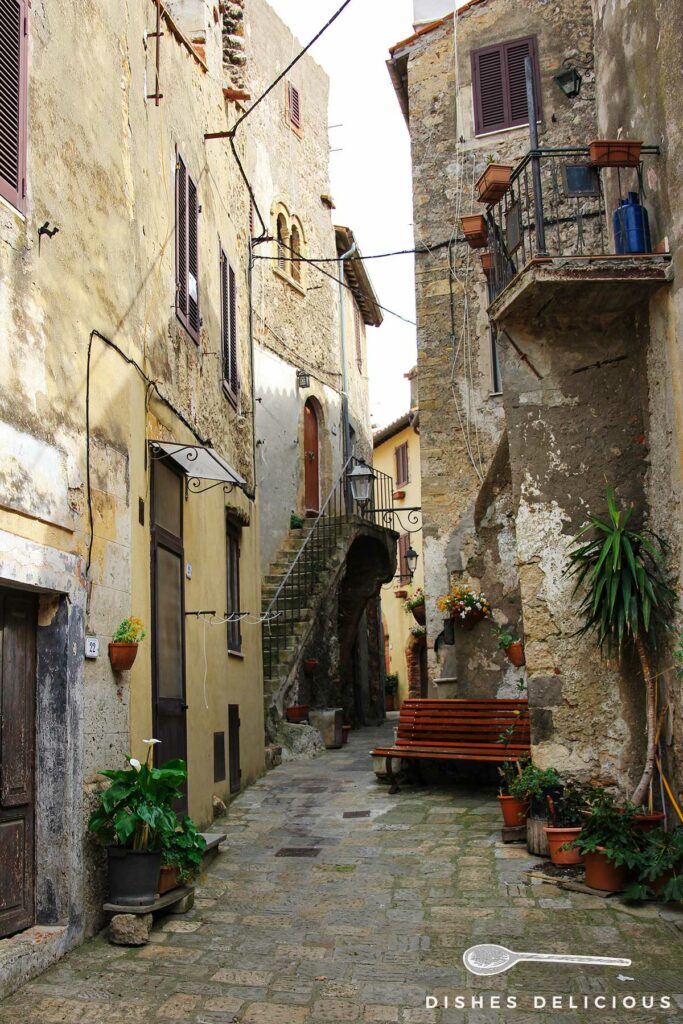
(631, 226)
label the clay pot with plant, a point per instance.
(535, 785)
(658, 865)
(513, 808)
(297, 713)
(567, 814)
(513, 648)
(626, 603)
(123, 648)
(390, 690)
(416, 605)
(608, 844)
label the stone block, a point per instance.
(273, 756)
(130, 929)
(328, 722)
(542, 725)
(545, 691)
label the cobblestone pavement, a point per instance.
(370, 926)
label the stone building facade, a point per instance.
(535, 389)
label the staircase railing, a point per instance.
(293, 593)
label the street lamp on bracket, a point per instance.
(361, 481)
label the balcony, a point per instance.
(564, 266)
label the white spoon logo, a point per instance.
(489, 959)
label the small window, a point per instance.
(358, 322)
(219, 757)
(293, 106)
(13, 95)
(402, 467)
(295, 253)
(233, 539)
(231, 378)
(403, 570)
(499, 85)
(187, 250)
(282, 242)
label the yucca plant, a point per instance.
(626, 601)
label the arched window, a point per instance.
(295, 253)
(282, 242)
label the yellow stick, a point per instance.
(667, 787)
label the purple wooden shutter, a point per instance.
(403, 545)
(192, 259)
(294, 105)
(181, 238)
(515, 54)
(13, 96)
(234, 373)
(488, 83)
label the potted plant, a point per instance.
(390, 690)
(607, 842)
(535, 785)
(658, 866)
(475, 231)
(627, 601)
(614, 152)
(297, 713)
(513, 648)
(134, 820)
(123, 648)
(514, 808)
(296, 521)
(310, 665)
(465, 605)
(486, 262)
(567, 814)
(181, 855)
(494, 183)
(416, 605)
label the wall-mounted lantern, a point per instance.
(411, 560)
(569, 82)
(361, 479)
(303, 379)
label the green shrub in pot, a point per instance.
(184, 849)
(534, 784)
(658, 865)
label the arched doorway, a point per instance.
(311, 459)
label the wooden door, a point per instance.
(311, 459)
(168, 616)
(18, 613)
(234, 748)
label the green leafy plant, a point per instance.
(505, 639)
(569, 808)
(416, 601)
(130, 631)
(391, 682)
(418, 631)
(534, 784)
(658, 865)
(678, 655)
(508, 772)
(608, 828)
(626, 599)
(183, 849)
(296, 522)
(136, 811)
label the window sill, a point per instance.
(495, 394)
(236, 654)
(504, 131)
(188, 330)
(290, 280)
(232, 398)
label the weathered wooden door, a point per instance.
(311, 459)
(18, 613)
(168, 615)
(234, 748)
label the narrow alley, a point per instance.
(372, 920)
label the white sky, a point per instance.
(371, 176)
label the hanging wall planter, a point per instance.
(515, 654)
(486, 262)
(614, 153)
(122, 656)
(123, 648)
(475, 231)
(310, 665)
(494, 183)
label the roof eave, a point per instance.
(358, 279)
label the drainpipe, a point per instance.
(346, 426)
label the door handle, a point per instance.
(310, 456)
(184, 707)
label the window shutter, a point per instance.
(489, 91)
(402, 468)
(294, 105)
(234, 374)
(229, 328)
(403, 545)
(192, 258)
(13, 85)
(515, 55)
(181, 238)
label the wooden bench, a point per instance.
(458, 730)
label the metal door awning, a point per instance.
(198, 463)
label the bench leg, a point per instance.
(416, 770)
(393, 784)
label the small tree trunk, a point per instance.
(651, 712)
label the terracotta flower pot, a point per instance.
(601, 874)
(515, 654)
(297, 713)
(475, 231)
(471, 619)
(646, 822)
(494, 183)
(401, 594)
(169, 878)
(419, 614)
(346, 729)
(615, 152)
(514, 810)
(559, 837)
(122, 656)
(388, 702)
(399, 495)
(486, 262)
(310, 665)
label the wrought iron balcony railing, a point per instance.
(560, 190)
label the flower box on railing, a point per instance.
(475, 231)
(486, 262)
(494, 183)
(614, 153)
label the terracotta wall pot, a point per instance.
(514, 810)
(401, 594)
(557, 838)
(169, 878)
(515, 654)
(310, 665)
(419, 614)
(494, 183)
(297, 713)
(471, 619)
(646, 822)
(122, 656)
(600, 874)
(615, 152)
(486, 262)
(536, 839)
(475, 231)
